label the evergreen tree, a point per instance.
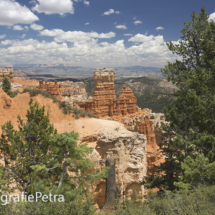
(192, 116)
(40, 160)
(7, 87)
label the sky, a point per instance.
(94, 33)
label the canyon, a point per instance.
(124, 132)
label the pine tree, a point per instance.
(40, 160)
(192, 116)
(7, 87)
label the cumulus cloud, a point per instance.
(54, 7)
(111, 11)
(144, 38)
(18, 28)
(2, 36)
(121, 26)
(153, 52)
(87, 23)
(212, 16)
(108, 12)
(87, 3)
(12, 13)
(137, 22)
(159, 28)
(6, 42)
(73, 36)
(36, 27)
(128, 34)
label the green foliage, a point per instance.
(197, 172)
(39, 159)
(191, 116)
(197, 202)
(7, 87)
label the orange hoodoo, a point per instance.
(104, 102)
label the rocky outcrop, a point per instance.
(148, 124)
(51, 88)
(73, 93)
(129, 151)
(6, 72)
(104, 102)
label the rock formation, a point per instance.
(104, 102)
(73, 93)
(154, 157)
(6, 72)
(129, 151)
(51, 88)
(148, 124)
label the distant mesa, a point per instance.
(104, 102)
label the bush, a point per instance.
(198, 201)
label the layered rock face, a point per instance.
(73, 93)
(67, 91)
(51, 88)
(154, 157)
(104, 102)
(6, 72)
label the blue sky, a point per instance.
(93, 33)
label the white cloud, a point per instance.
(86, 50)
(137, 22)
(115, 23)
(26, 28)
(54, 7)
(212, 16)
(18, 28)
(12, 13)
(23, 36)
(6, 42)
(87, 23)
(144, 38)
(86, 3)
(159, 28)
(108, 12)
(128, 34)
(121, 26)
(73, 36)
(134, 18)
(36, 27)
(2, 36)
